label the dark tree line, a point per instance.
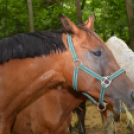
(112, 17)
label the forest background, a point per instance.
(113, 17)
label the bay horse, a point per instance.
(31, 61)
(125, 58)
(49, 111)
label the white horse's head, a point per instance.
(123, 55)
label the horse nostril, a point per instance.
(132, 95)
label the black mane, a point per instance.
(31, 45)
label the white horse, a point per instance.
(123, 55)
(125, 58)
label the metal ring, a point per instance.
(103, 82)
(77, 61)
(101, 110)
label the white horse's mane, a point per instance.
(123, 55)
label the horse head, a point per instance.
(91, 53)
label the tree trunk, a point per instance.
(5, 21)
(130, 23)
(78, 11)
(30, 11)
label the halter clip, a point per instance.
(106, 81)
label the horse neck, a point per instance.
(53, 65)
(71, 99)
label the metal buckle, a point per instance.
(101, 110)
(78, 62)
(106, 81)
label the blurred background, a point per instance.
(113, 17)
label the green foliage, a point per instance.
(16, 20)
(110, 20)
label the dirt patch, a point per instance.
(93, 123)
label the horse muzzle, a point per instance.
(119, 108)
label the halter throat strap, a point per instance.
(105, 81)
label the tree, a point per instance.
(83, 4)
(78, 11)
(30, 11)
(111, 18)
(129, 9)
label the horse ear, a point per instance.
(68, 25)
(90, 22)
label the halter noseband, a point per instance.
(105, 81)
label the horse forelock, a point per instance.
(30, 45)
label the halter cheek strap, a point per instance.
(105, 81)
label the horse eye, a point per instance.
(97, 53)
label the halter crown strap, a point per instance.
(71, 46)
(103, 80)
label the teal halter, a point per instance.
(104, 80)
